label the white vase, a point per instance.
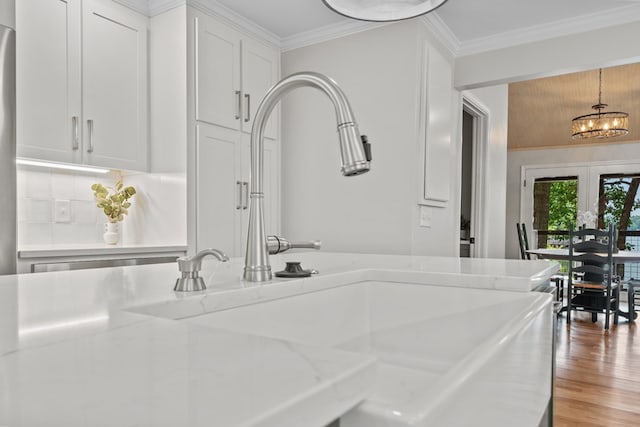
(111, 233)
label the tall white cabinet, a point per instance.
(232, 72)
(228, 73)
(82, 79)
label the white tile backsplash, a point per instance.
(77, 233)
(82, 186)
(85, 212)
(62, 186)
(39, 210)
(30, 233)
(38, 185)
(157, 216)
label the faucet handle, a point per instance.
(366, 146)
(278, 245)
(190, 267)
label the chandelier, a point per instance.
(601, 124)
(383, 10)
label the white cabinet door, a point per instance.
(232, 75)
(48, 79)
(219, 191)
(82, 83)
(217, 65)
(260, 69)
(271, 185)
(114, 86)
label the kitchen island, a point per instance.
(117, 346)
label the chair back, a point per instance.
(523, 241)
(591, 252)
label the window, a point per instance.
(594, 194)
(619, 203)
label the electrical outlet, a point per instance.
(62, 211)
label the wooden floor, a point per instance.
(597, 373)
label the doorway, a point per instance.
(472, 148)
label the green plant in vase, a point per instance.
(115, 204)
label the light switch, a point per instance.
(62, 211)
(425, 216)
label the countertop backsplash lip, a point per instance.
(88, 249)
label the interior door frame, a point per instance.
(480, 135)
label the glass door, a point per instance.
(619, 203)
(555, 208)
(552, 199)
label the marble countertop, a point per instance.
(97, 347)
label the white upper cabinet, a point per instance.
(259, 74)
(48, 79)
(217, 64)
(233, 73)
(82, 83)
(114, 59)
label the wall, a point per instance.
(614, 46)
(578, 154)
(153, 219)
(376, 212)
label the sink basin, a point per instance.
(446, 355)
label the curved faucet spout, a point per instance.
(353, 156)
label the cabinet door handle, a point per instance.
(246, 195)
(239, 200)
(239, 104)
(247, 97)
(75, 143)
(90, 127)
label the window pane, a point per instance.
(619, 203)
(555, 207)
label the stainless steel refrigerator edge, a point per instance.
(8, 235)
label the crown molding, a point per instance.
(433, 22)
(564, 27)
(140, 6)
(156, 7)
(151, 8)
(441, 31)
(212, 7)
(326, 33)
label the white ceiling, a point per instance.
(466, 21)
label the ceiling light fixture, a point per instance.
(601, 124)
(383, 10)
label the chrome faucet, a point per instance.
(354, 149)
(190, 268)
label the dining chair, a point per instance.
(591, 253)
(523, 240)
(633, 297)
